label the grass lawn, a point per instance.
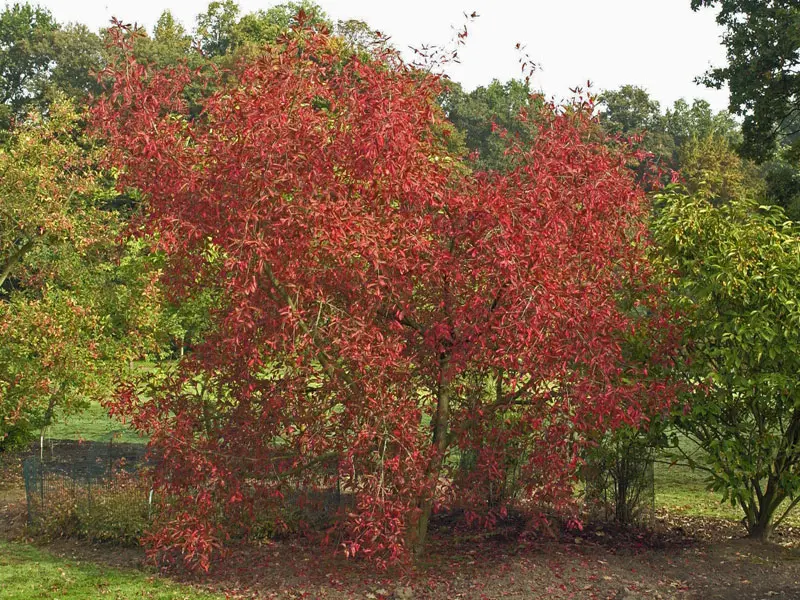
(92, 425)
(680, 489)
(27, 573)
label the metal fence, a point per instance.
(94, 490)
(89, 490)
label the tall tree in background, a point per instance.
(26, 53)
(40, 58)
(630, 111)
(266, 26)
(221, 31)
(782, 180)
(169, 44)
(685, 121)
(79, 55)
(216, 27)
(762, 39)
(488, 118)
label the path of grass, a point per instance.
(27, 573)
(682, 490)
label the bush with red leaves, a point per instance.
(378, 302)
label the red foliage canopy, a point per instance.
(379, 303)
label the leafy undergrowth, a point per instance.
(684, 556)
(601, 563)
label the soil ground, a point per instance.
(681, 557)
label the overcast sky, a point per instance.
(660, 45)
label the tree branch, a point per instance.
(326, 361)
(14, 259)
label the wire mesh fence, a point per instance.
(94, 490)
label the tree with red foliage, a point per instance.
(379, 303)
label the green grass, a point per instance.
(682, 490)
(92, 425)
(27, 573)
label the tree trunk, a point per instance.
(48, 417)
(761, 527)
(761, 530)
(441, 424)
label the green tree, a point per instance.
(216, 27)
(46, 182)
(685, 121)
(762, 39)
(686, 137)
(26, 54)
(630, 111)
(266, 26)
(75, 304)
(486, 115)
(734, 271)
(169, 45)
(782, 180)
(360, 36)
(712, 169)
(79, 54)
(39, 59)
(45, 178)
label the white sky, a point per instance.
(660, 45)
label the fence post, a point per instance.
(30, 478)
(41, 490)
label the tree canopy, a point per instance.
(62, 332)
(763, 48)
